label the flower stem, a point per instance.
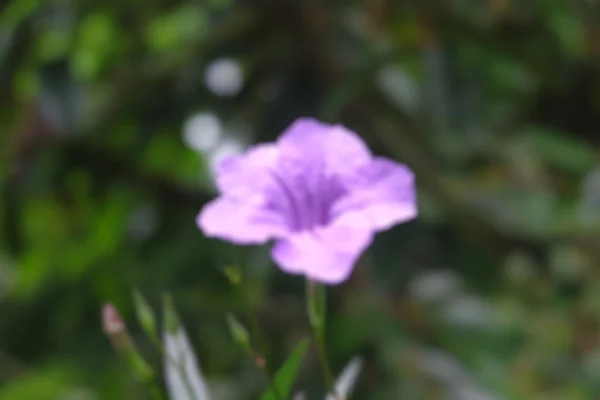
(315, 298)
(115, 329)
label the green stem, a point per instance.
(327, 375)
(315, 297)
(139, 366)
(254, 326)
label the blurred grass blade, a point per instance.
(239, 333)
(561, 150)
(286, 376)
(182, 374)
(346, 380)
(145, 314)
(115, 329)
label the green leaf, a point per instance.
(176, 28)
(15, 12)
(560, 150)
(96, 41)
(46, 384)
(286, 376)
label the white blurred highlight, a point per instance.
(205, 134)
(202, 132)
(400, 87)
(467, 311)
(435, 286)
(224, 77)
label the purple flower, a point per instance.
(318, 192)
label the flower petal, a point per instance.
(248, 174)
(383, 192)
(338, 147)
(240, 222)
(326, 254)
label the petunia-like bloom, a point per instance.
(318, 192)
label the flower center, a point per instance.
(305, 200)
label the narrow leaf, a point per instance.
(145, 314)
(239, 332)
(182, 373)
(346, 380)
(286, 376)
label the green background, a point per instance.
(492, 293)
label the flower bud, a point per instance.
(112, 323)
(239, 333)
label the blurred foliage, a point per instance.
(493, 293)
